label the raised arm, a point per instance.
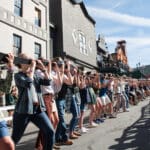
(5, 84)
(68, 78)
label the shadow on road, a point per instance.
(28, 144)
(137, 136)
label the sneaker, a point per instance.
(73, 137)
(112, 116)
(58, 144)
(83, 130)
(101, 120)
(127, 110)
(86, 129)
(97, 121)
(68, 142)
(56, 147)
(105, 115)
(93, 125)
(77, 133)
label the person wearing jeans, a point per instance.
(48, 93)
(75, 110)
(75, 100)
(61, 135)
(30, 105)
(40, 119)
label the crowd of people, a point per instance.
(43, 92)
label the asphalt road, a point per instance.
(129, 131)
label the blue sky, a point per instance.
(124, 20)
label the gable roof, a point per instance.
(82, 5)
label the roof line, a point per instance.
(82, 5)
(86, 13)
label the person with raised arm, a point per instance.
(6, 142)
(30, 106)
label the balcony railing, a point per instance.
(106, 66)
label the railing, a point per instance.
(6, 108)
(106, 66)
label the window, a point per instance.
(82, 44)
(18, 7)
(37, 17)
(17, 44)
(37, 52)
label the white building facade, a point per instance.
(24, 27)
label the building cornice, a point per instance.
(20, 23)
(43, 2)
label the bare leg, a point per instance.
(6, 143)
(56, 119)
(81, 120)
(92, 113)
